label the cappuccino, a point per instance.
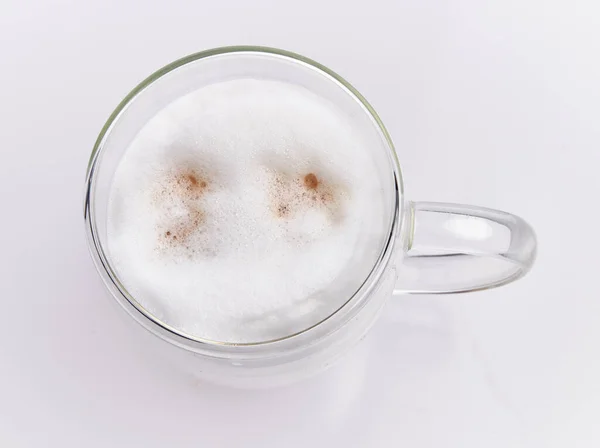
(246, 211)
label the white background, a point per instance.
(493, 103)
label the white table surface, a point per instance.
(489, 103)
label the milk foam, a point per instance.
(245, 211)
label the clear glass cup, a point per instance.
(430, 248)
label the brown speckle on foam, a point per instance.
(310, 181)
(282, 210)
(182, 228)
(187, 183)
(182, 189)
(291, 195)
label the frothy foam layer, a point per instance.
(246, 211)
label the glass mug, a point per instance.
(430, 248)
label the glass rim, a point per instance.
(171, 333)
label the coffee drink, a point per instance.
(246, 211)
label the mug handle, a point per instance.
(453, 248)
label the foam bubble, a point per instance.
(245, 211)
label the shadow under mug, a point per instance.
(431, 248)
